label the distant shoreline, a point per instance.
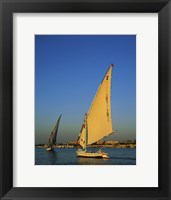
(131, 145)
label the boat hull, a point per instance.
(92, 154)
(49, 149)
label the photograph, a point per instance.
(85, 100)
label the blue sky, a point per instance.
(68, 71)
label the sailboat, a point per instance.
(53, 135)
(98, 121)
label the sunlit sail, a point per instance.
(98, 121)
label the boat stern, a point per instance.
(105, 155)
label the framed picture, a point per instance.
(85, 99)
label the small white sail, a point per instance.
(53, 135)
(82, 136)
(99, 117)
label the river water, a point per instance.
(67, 156)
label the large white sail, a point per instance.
(99, 117)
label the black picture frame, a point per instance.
(7, 8)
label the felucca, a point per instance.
(53, 135)
(98, 121)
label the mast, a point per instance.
(86, 133)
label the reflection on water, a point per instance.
(67, 156)
(52, 156)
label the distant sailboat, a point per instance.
(98, 121)
(53, 135)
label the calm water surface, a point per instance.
(67, 156)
